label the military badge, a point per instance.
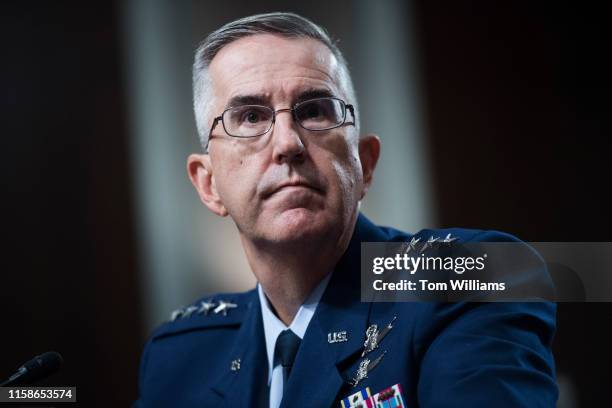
(389, 398)
(357, 399)
(365, 366)
(374, 337)
(371, 341)
(337, 337)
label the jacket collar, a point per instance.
(316, 377)
(241, 385)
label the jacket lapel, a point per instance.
(317, 375)
(242, 387)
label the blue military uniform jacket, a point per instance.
(441, 354)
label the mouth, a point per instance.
(291, 186)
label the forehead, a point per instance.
(273, 66)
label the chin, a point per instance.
(298, 224)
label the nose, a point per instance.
(286, 141)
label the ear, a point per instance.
(369, 151)
(200, 173)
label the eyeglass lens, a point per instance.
(252, 120)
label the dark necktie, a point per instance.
(287, 346)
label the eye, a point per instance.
(312, 110)
(251, 117)
(248, 115)
(319, 113)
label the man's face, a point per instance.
(290, 183)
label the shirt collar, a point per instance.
(273, 326)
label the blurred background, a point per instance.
(492, 115)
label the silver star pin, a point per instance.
(412, 244)
(235, 365)
(223, 307)
(448, 239)
(176, 314)
(189, 311)
(429, 243)
(205, 307)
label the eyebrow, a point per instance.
(313, 94)
(239, 100)
(262, 99)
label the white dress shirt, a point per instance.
(273, 327)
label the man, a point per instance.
(279, 123)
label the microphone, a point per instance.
(36, 369)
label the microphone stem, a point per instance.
(12, 378)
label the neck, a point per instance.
(288, 273)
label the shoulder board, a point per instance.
(464, 235)
(220, 310)
(447, 237)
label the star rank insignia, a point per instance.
(412, 245)
(188, 311)
(448, 239)
(205, 307)
(223, 307)
(429, 243)
(176, 314)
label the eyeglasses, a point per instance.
(316, 115)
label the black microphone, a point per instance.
(36, 369)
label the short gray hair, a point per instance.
(288, 25)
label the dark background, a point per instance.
(517, 105)
(518, 101)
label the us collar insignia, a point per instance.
(337, 337)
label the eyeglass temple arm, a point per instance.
(210, 135)
(352, 110)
